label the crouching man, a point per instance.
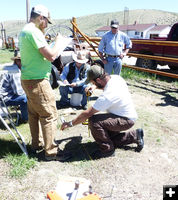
(108, 129)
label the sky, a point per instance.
(66, 9)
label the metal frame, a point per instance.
(16, 134)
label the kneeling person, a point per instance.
(107, 128)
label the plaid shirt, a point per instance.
(11, 85)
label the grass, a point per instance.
(11, 153)
(19, 164)
(132, 74)
(127, 73)
(6, 56)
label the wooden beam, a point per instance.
(155, 42)
(150, 57)
(85, 37)
(151, 71)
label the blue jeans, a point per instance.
(114, 64)
(65, 90)
(19, 101)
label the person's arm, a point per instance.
(101, 48)
(63, 76)
(124, 53)
(79, 119)
(128, 46)
(51, 53)
(16, 84)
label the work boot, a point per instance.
(140, 141)
(60, 156)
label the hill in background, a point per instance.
(88, 24)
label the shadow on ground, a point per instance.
(160, 90)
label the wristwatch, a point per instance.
(70, 124)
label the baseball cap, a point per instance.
(114, 23)
(42, 10)
(94, 72)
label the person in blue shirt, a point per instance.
(73, 79)
(113, 46)
(11, 89)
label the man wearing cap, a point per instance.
(74, 76)
(113, 46)
(108, 128)
(11, 89)
(36, 56)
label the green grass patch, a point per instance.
(132, 74)
(127, 73)
(6, 56)
(19, 164)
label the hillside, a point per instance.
(88, 24)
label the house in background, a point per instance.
(139, 31)
(159, 31)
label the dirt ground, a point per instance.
(127, 176)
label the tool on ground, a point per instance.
(62, 119)
(88, 94)
(53, 196)
(73, 196)
(88, 195)
(91, 197)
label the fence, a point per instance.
(94, 42)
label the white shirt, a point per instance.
(116, 99)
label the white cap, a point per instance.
(42, 10)
(80, 56)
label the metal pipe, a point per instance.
(28, 10)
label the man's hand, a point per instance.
(104, 61)
(65, 82)
(90, 88)
(73, 84)
(65, 125)
(58, 37)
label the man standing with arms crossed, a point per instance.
(113, 46)
(36, 56)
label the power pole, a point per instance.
(3, 35)
(126, 17)
(28, 10)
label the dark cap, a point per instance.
(114, 23)
(94, 72)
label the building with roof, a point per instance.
(139, 31)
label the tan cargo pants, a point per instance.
(41, 108)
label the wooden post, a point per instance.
(74, 29)
(85, 37)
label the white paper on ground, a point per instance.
(66, 185)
